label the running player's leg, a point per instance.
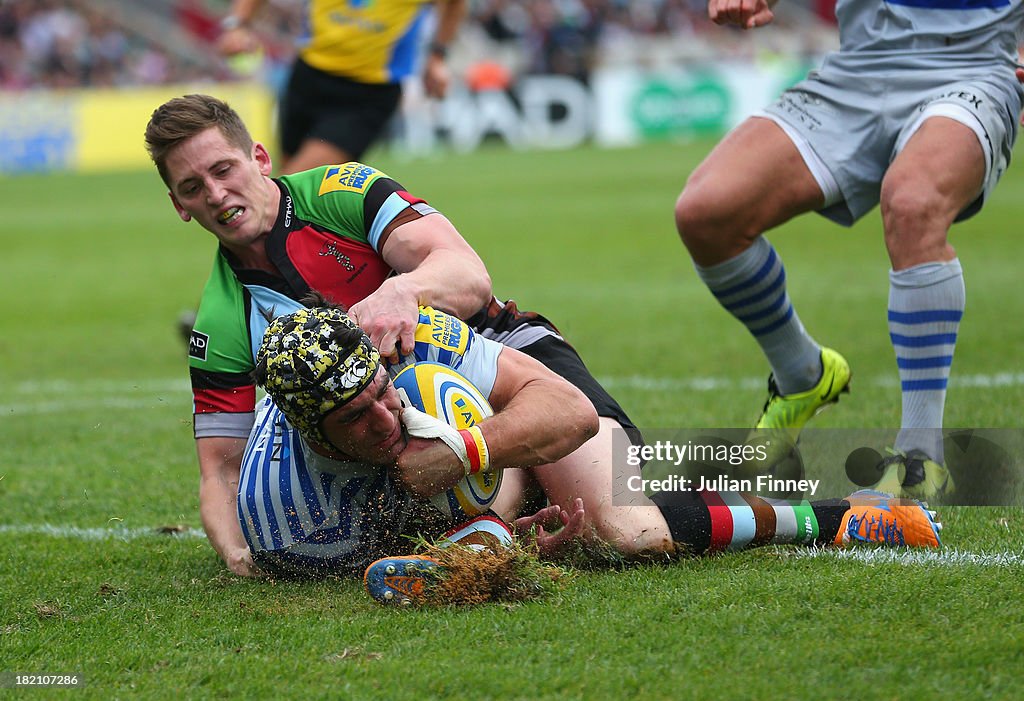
(754, 179)
(760, 176)
(942, 167)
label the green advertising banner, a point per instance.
(698, 105)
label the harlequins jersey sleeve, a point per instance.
(352, 200)
(219, 358)
(330, 225)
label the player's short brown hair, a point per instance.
(182, 118)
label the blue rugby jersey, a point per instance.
(332, 513)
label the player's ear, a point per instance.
(185, 216)
(262, 157)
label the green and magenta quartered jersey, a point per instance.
(332, 223)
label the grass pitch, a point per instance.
(98, 458)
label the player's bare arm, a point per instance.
(539, 419)
(220, 462)
(436, 74)
(436, 267)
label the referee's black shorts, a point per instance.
(342, 112)
(536, 336)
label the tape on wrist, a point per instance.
(422, 425)
(476, 450)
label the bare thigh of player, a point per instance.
(936, 175)
(752, 181)
(588, 473)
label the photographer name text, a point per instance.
(721, 483)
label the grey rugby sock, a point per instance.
(752, 287)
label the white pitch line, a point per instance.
(57, 396)
(76, 533)
(61, 387)
(714, 384)
(56, 406)
(156, 387)
(867, 555)
(945, 557)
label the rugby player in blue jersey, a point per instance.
(916, 112)
(336, 471)
(356, 235)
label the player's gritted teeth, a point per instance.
(230, 215)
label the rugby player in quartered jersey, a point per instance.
(330, 226)
(341, 230)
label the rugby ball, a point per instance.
(443, 393)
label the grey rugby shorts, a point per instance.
(850, 123)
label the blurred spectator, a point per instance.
(501, 20)
(194, 18)
(562, 38)
(72, 43)
(66, 43)
(488, 75)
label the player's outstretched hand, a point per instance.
(551, 544)
(747, 14)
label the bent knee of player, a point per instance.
(712, 225)
(633, 531)
(695, 214)
(910, 200)
(917, 218)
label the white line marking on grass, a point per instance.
(867, 555)
(57, 406)
(56, 396)
(76, 533)
(61, 387)
(944, 557)
(714, 384)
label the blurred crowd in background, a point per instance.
(114, 43)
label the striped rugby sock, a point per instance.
(708, 522)
(752, 287)
(926, 303)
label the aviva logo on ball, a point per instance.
(443, 393)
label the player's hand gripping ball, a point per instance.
(439, 391)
